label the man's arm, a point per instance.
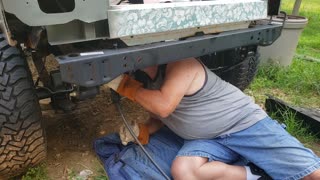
(179, 77)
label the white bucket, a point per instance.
(283, 49)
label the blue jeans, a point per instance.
(266, 144)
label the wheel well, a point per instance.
(237, 66)
(56, 6)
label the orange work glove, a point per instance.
(128, 87)
(140, 130)
(143, 134)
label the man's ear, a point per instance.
(142, 77)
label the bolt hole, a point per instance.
(258, 39)
(125, 58)
(125, 65)
(91, 79)
(89, 64)
(251, 37)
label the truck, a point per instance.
(94, 41)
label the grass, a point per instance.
(36, 173)
(102, 174)
(74, 175)
(298, 84)
(40, 173)
(295, 127)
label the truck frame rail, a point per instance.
(96, 68)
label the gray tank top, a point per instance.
(218, 108)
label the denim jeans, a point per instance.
(266, 144)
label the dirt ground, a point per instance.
(71, 135)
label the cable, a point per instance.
(284, 19)
(136, 139)
(56, 92)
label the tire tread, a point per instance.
(22, 135)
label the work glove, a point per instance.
(125, 86)
(140, 130)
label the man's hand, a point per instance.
(140, 130)
(125, 86)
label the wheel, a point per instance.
(237, 66)
(22, 136)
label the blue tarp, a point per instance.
(130, 163)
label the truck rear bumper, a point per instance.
(97, 68)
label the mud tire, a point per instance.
(237, 66)
(22, 136)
